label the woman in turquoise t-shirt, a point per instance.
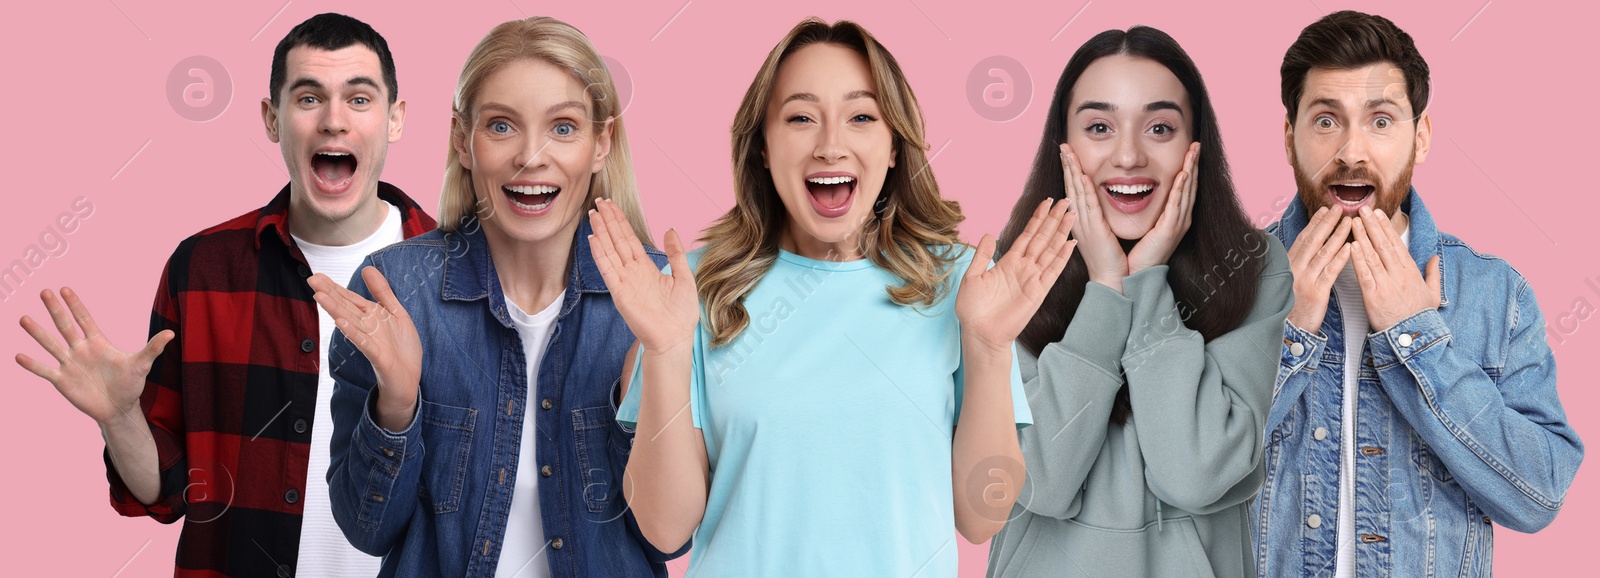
(797, 405)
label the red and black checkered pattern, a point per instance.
(231, 400)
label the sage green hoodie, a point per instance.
(1164, 494)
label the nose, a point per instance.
(1129, 152)
(829, 148)
(334, 120)
(532, 156)
(1354, 149)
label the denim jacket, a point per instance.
(1457, 425)
(433, 499)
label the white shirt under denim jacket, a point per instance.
(1458, 426)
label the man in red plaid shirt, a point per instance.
(221, 419)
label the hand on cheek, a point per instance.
(1158, 245)
(1101, 251)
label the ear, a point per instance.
(458, 139)
(269, 118)
(1288, 141)
(764, 163)
(894, 154)
(1424, 137)
(602, 145)
(397, 120)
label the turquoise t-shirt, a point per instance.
(828, 425)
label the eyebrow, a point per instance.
(1335, 104)
(1108, 107)
(315, 84)
(571, 104)
(809, 97)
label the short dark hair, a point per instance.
(330, 31)
(1349, 39)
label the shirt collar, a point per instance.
(469, 272)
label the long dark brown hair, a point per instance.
(1220, 241)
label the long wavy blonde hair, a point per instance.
(561, 45)
(910, 223)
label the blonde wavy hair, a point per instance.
(561, 45)
(909, 224)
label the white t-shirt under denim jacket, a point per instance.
(1457, 425)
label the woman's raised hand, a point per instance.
(384, 332)
(1101, 251)
(995, 303)
(661, 309)
(1158, 245)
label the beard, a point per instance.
(1313, 189)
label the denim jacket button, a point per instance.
(1320, 434)
(1297, 349)
(556, 543)
(1314, 521)
(388, 452)
(547, 404)
(546, 471)
(1404, 340)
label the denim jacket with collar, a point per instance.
(433, 499)
(1458, 426)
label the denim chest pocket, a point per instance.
(447, 437)
(592, 429)
(1423, 457)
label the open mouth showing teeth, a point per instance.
(531, 198)
(1351, 193)
(333, 168)
(831, 192)
(1130, 193)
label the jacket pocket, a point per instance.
(592, 427)
(1423, 457)
(447, 439)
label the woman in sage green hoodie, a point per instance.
(1149, 367)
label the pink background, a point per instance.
(90, 115)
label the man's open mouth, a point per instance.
(831, 193)
(1351, 194)
(333, 169)
(531, 198)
